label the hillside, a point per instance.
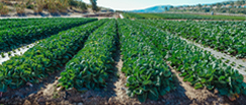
(155, 9)
(49, 8)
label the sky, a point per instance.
(141, 4)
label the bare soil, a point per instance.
(47, 93)
(206, 97)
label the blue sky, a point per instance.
(141, 4)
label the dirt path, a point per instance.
(120, 90)
(225, 57)
(201, 96)
(239, 64)
(121, 16)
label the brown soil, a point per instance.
(47, 93)
(206, 97)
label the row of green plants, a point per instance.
(92, 65)
(14, 38)
(148, 76)
(180, 16)
(197, 66)
(228, 37)
(45, 58)
(132, 15)
(12, 20)
(23, 23)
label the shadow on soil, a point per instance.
(18, 96)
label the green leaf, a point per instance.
(3, 88)
(223, 91)
(163, 92)
(222, 78)
(142, 97)
(244, 91)
(168, 89)
(147, 82)
(198, 86)
(153, 94)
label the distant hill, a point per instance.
(155, 9)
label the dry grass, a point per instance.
(3, 9)
(62, 5)
(20, 8)
(38, 7)
(52, 6)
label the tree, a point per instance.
(218, 5)
(200, 6)
(232, 4)
(94, 5)
(239, 2)
(166, 8)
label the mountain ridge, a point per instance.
(154, 9)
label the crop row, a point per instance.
(180, 16)
(44, 58)
(148, 76)
(92, 65)
(13, 38)
(16, 24)
(198, 67)
(10, 21)
(228, 37)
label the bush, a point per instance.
(73, 3)
(82, 6)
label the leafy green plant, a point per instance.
(90, 68)
(227, 61)
(44, 58)
(2, 54)
(13, 37)
(233, 64)
(197, 66)
(148, 76)
(159, 16)
(14, 51)
(227, 37)
(9, 53)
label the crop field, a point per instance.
(181, 16)
(80, 54)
